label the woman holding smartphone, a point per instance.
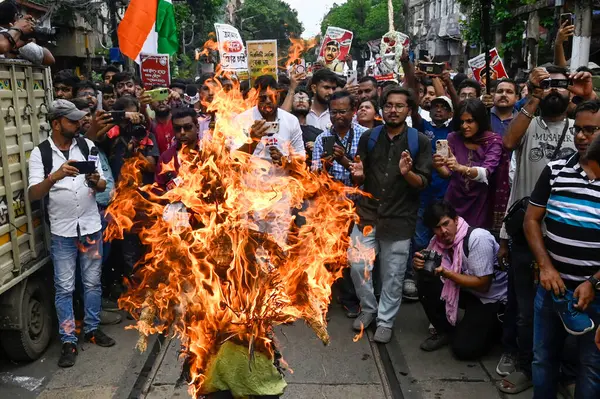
(477, 167)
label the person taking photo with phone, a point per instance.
(75, 225)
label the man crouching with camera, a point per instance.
(459, 269)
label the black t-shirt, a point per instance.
(309, 134)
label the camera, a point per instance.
(136, 131)
(433, 260)
(555, 83)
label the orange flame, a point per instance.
(221, 277)
(298, 48)
(210, 45)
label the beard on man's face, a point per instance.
(162, 113)
(321, 100)
(300, 111)
(554, 104)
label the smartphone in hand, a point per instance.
(328, 143)
(84, 167)
(441, 148)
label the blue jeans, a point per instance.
(66, 253)
(549, 337)
(393, 257)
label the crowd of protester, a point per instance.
(487, 203)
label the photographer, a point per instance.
(75, 225)
(16, 36)
(130, 137)
(464, 277)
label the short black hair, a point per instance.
(184, 112)
(121, 77)
(177, 85)
(593, 151)
(588, 106)
(66, 77)
(396, 89)
(106, 88)
(80, 103)
(204, 77)
(324, 75)
(426, 82)
(265, 82)
(282, 79)
(509, 81)
(365, 79)
(477, 109)
(458, 79)
(125, 102)
(8, 12)
(470, 83)
(557, 69)
(86, 84)
(110, 68)
(339, 95)
(341, 81)
(333, 43)
(436, 211)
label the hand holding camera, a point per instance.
(428, 261)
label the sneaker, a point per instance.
(575, 322)
(435, 342)
(383, 335)
(99, 338)
(68, 354)
(363, 321)
(352, 312)
(506, 365)
(109, 318)
(409, 290)
(109, 305)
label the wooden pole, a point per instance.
(485, 32)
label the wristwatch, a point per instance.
(595, 283)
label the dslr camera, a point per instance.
(136, 131)
(433, 260)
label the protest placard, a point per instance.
(231, 49)
(497, 70)
(262, 58)
(155, 70)
(335, 48)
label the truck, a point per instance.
(26, 287)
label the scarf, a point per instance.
(451, 290)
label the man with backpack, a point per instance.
(57, 171)
(465, 276)
(394, 165)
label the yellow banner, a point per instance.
(262, 58)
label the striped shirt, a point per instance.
(572, 203)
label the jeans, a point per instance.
(509, 321)
(549, 339)
(66, 253)
(472, 336)
(393, 257)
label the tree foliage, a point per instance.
(269, 19)
(368, 19)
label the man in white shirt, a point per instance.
(75, 225)
(322, 85)
(276, 139)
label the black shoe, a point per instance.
(109, 318)
(99, 338)
(109, 305)
(68, 354)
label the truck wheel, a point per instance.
(31, 341)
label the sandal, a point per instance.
(515, 382)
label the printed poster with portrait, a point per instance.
(335, 48)
(497, 70)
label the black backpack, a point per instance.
(46, 153)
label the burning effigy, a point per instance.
(210, 276)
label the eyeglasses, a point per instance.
(397, 107)
(86, 94)
(187, 127)
(587, 130)
(335, 112)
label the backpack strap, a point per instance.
(466, 241)
(83, 147)
(413, 142)
(46, 152)
(373, 137)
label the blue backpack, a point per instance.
(413, 140)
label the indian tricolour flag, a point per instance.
(148, 27)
